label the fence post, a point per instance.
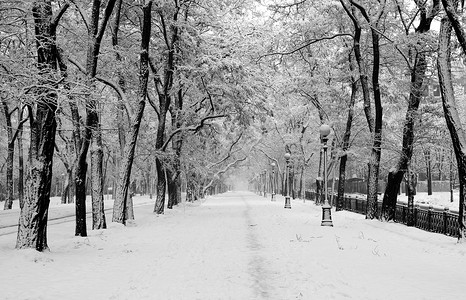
(429, 218)
(445, 219)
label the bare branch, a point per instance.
(83, 15)
(108, 82)
(229, 152)
(190, 128)
(107, 14)
(223, 171)
(306, 45)
(56, 18)
(152, 103)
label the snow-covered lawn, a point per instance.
(237, 245)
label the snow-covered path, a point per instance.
(237, 245)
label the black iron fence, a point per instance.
(427, 217)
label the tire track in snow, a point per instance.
(257, 265)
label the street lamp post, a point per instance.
(273, 181)
(326, 208)
(287, 178)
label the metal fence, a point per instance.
(426, 217)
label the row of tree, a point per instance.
(231, 86)
(373, 61)
(80, 74)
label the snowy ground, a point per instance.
(235, 246)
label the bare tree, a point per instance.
(119, 207)
(32, 228)
(457, 133)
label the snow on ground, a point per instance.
(237, 245)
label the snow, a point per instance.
(237, 245)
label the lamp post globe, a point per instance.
(326, 208)
(273, 181)
(324, 130)
(287, 181)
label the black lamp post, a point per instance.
(287, 178)
(273, 181)
(326, 208)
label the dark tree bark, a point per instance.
(164, 91)
(428, 157)
(174, 179)
(363, 78)
(95, 35)
(451, 175)
(97, 186)
(10, 157)
(20, 160)
(161, 185)
(418, 74)
(411, 191)
(121, 108)
(454, 17)
(120, 204)
(349, 121)
(452, 118)
(374, 161)
(32, 227)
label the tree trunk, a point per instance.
(411, 190)
(95, 34)
(451, 8)
(66, 193)
(451, 175)
(32, 227)
(80, 188)
(173, 177)
(120, 205)
(346, 139)
(452, 118)
(20, 160)
(396, 174)
(173, 187)
(10, 157)
(161, 182)
(363, 78)
(374, 163)
(429, 171)
(418, 74)
(98, 213)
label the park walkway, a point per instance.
(237, 245)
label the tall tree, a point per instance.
(374, 161)
(452, 117)
(418, 76)
(346, 139)
(32, 228)
(164, 84)
(119, 207)
(92, 129)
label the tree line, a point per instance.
(190, 92)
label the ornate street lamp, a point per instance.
(326, 208)
(287, 181)
(273, 181)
